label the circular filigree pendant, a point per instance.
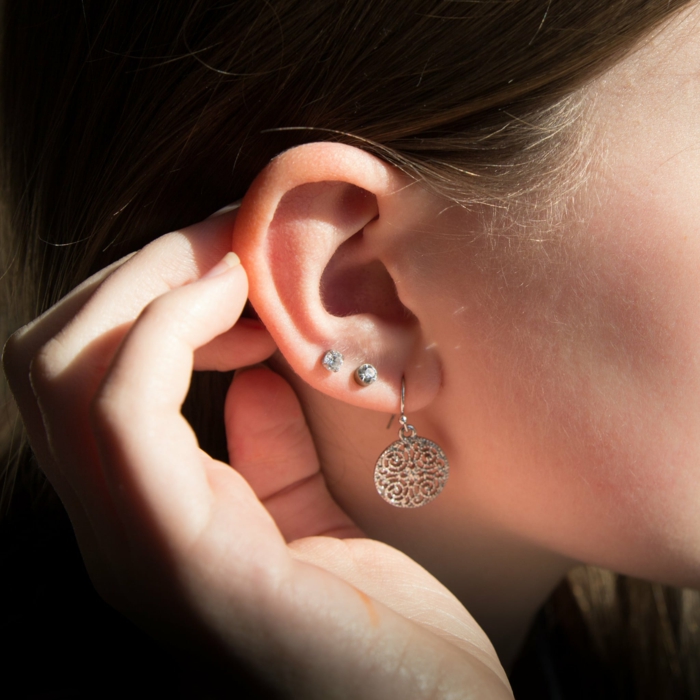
(411, 472)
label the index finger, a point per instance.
(151, 458)
(88, 326)
(170, 261)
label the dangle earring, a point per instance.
(413, 470)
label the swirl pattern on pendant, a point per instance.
(411, 472)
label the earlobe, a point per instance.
(318, 233)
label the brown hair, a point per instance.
(123, 119)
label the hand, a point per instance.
(258, 561)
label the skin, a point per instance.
(258, 562)
(569, 395)
(559, 374)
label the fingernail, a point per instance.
(226, 263)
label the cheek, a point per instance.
(632, 404)
(616, 420)
(578, 373)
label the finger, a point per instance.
(22, 347)
(152, 461)
(17, 355)
(69, 366)
(169, 262)
(271, 447)
(34, 334)
(247, 343)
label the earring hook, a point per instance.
(405, 430)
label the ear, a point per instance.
(320, 233)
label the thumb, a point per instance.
(270, 445)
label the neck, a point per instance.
(501, 580)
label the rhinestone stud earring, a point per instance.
(332, 361)
(365, 375)
(413, 470)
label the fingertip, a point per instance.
(230, 261)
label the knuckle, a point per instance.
(174, 252)
(104, 419)
(42, 367)
(154, 309)
(97, 410)
(154, 312)
(113, 408)
(172, 310)
(104, 410)
(14, 359)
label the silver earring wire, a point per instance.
(412, 471)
